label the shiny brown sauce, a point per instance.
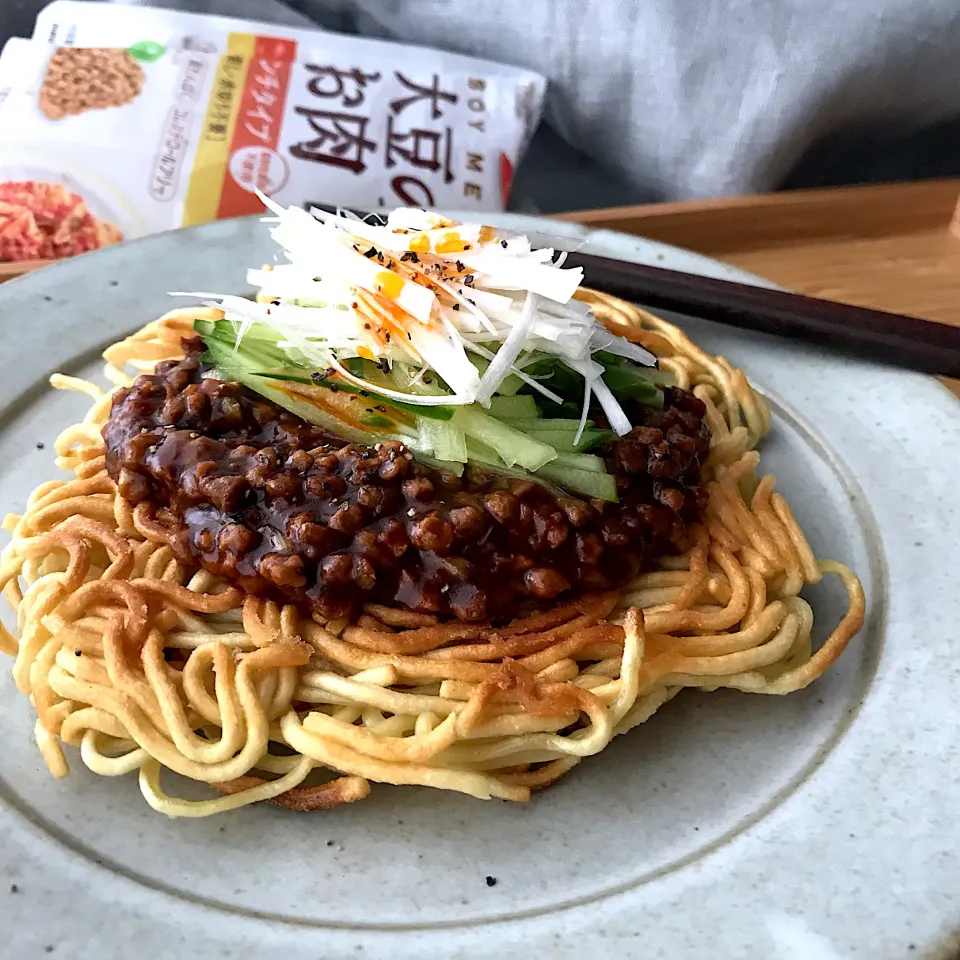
(265, 499)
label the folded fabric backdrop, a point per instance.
(687, 98)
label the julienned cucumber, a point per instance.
(512, 446)
(514, 408)
(579, 461)
(602, 486)
(445, 439)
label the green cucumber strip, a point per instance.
(629, 381)
(444, 438)
(509, 386)
(654, 375)
(601, 486)
(561, 434)
(481, 454)
(558, 481)
(563, 442)
(260, 354)
(545, 423)
(226, 331)
(580, 461)
(515, 408)
(512, 446)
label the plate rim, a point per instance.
(60, 273)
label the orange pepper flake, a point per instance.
(389, 284)
(487, 234)
(364, 352)
(420, 243)
(449, 243)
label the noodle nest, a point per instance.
(145, 664)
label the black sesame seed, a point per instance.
(459, 267)
(318, 377)
(456, 306)
(468, 279)
(372, 252)
(503, 243)
(491, 881)
(366, 326)
(39, 445)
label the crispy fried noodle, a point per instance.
(144, 664)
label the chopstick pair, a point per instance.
(898, 339)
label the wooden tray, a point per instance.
(10, 270)
(890, 246)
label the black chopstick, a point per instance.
(904, 341)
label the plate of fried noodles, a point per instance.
(375, 587)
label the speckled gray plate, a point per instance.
(820, 825)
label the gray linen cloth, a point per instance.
(671, 99)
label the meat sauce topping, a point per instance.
(270, 502)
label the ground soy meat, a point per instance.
(273, 504)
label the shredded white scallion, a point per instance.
(428, 292)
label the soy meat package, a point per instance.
(151, 119)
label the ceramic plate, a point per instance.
(820, 825)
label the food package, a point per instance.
(120, 121)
